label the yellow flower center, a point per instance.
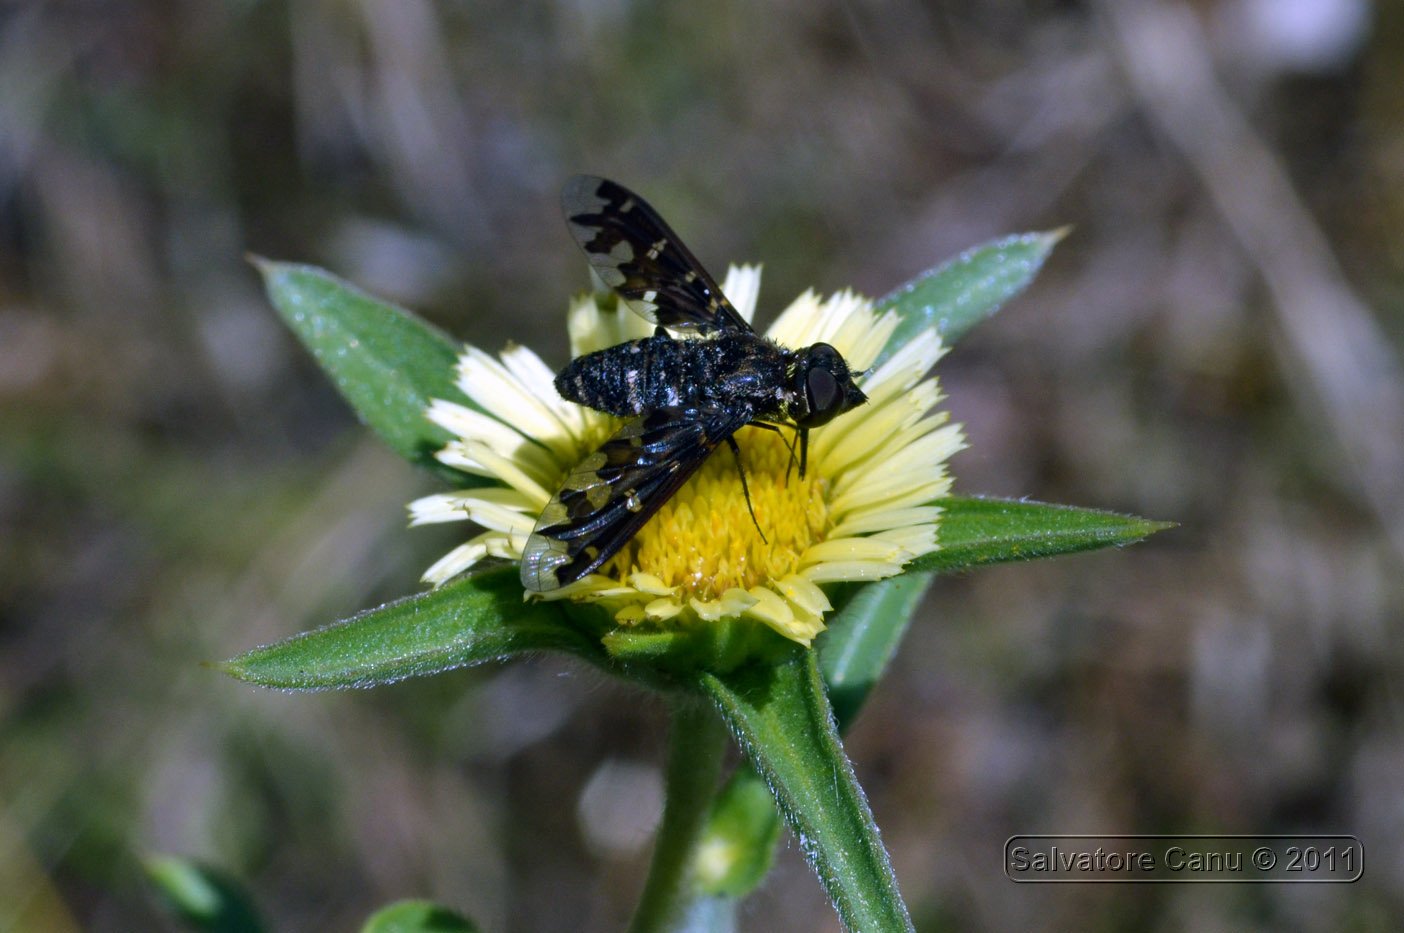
(703, 539)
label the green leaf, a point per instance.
(862, 637)
(471, 620)
(863, 634)
(865, 631)
(417, 917)
(978, 531)
(869, 623)
(962, 292)
(385, 361)
(202, 897)
(781, 715)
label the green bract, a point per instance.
(784, 704)
(202, 897)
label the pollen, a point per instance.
(703, 540)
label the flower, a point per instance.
(863, 510)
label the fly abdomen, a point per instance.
(630, 378)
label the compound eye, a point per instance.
(822, 392)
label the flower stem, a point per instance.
(695, 750)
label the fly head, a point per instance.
(822, 387)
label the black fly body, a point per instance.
(682, 396)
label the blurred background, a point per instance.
(1216, 343)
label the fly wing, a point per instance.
(639, 256)
(609, 496)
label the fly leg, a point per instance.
(745, 489)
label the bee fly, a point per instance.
(682, 397)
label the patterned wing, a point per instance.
(639, 256)
(609, 496)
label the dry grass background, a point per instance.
(1217, 343)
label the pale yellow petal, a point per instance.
(440, 507)
(846, 549)
(905, 367)
(458, 560)
(911, 475)
(545, 418)
(493, 508)
(468, 424)
(770, 609)
(593, 587)
(455, 456)
(543, 471)
(915, 540)
(538, 379)
(730, 604)
(834, 313)
(586, 327)
(883, 492)
(805, 630)
(866, 521)
(802, 593)
(510, 473)
(852, 571)
(742, 287)
(792, 327)
(648, 583)
(630, 614)
(863, 335)
(662, 608)
(593, 328)
(879, 425)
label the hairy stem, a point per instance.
(695, 750)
